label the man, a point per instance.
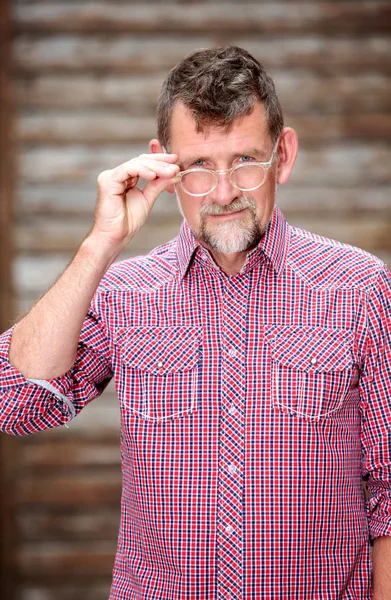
(251, 360)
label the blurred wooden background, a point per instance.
(85, 79)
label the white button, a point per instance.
(314, 361)
(159, 365)
(232, 352)
(232, 410)
(229, 529)
(232, 469)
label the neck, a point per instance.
(230, 264)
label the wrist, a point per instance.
(99, 250)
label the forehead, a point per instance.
(247, 131)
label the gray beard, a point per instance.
(240, 235)
(230, 237)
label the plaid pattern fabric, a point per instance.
(251, 408)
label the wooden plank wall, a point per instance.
(86, 77)
(7, 445)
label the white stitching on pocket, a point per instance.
(158, 371)
(301, 386)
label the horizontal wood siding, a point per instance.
(7, 445)
(276, 18)
(86, 77)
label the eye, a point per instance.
(245, 158)
(198, 163)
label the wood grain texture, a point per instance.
(136, 94)
(50, 561)
(86, 77)
(122, 53)
(98, 127)
(8, 449)
(371, 232)
(265, 18)
(71, 490)
(54, 454)
(51, 525)
(344, 164)
(97, 589)
(78, 201)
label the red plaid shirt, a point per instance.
(251, 408)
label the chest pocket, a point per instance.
(312, 369)
(158, 371)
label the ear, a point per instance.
(287, 152)
(155, 147)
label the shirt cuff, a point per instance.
(379, 515)
(11, 378)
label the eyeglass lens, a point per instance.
(202, 182)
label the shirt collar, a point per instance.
(272, 247)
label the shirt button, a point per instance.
(229, 529)
(159, 365)
(232, 469)
(232, 410)
(314, 361)
(232, 352)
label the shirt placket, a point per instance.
(231, 456)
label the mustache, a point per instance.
(236, 205)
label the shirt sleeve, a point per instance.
(30, 405)
(375, 390)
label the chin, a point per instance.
(230, 238)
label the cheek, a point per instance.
(189, 208)
(265, 200)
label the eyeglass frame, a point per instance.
(216, 172)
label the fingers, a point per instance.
(156, 186)
(149, 167)
(118, 188)
(165, 157)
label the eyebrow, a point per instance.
(257, 152)
(185, 163)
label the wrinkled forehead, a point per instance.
(244, 132)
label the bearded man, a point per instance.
(251, 362)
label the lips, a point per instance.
(226, 214)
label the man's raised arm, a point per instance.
(44, 342)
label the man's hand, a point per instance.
(122, 207)
(45, 341)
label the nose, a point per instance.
(224, 193)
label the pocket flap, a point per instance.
(159, 350)
(310, 348)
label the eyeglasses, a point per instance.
(244, 177)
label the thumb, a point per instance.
(155, 187)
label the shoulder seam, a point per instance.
(377, 264)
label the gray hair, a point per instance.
(218, 85)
